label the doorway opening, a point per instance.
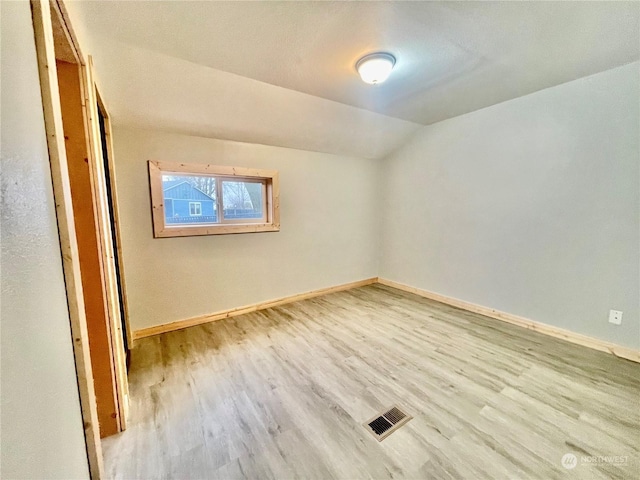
(81, 160)
(106, 147)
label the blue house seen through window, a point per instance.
(193, 200)
(184, 203)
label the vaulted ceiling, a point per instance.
(282, 73)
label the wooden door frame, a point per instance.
(53, 32)
(45, 51)
(115, 207)
(108, 256)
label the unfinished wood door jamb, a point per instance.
(107, 257)
(45, 50)
(116, 213)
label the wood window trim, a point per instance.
(271, 201)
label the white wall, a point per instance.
(530, 207)
(148, 89)
(327, 236)
(41, 424)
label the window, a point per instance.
(195, 208)
(196, 199)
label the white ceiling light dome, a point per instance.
(376, 67)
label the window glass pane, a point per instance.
(189, 199)
(242, 200)
(195, 208)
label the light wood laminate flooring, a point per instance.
(282, 393)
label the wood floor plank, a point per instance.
(283, 392)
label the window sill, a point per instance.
(189, 231)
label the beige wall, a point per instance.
(328, 233)
(41, 424)
(530, 207)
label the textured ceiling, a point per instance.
(453, 58)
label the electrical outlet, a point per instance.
(615, 317)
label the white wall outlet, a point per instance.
(615, 317)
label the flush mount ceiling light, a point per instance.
(375, 67)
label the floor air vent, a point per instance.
(383, 425)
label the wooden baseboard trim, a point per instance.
(569, 336)
(190, 322)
